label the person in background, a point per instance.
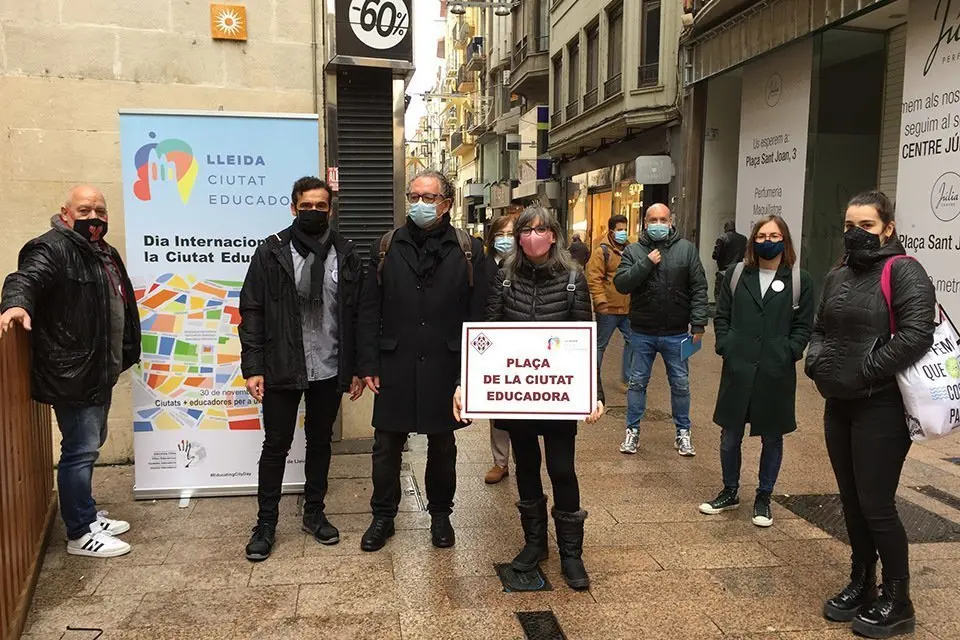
(72, 292)
(532, 286)
(298, 310)
(579, 251)
(853, 359)
(500, 244)
(430, 279)
(729, 250)
(761, 337)
(612, 307)
(664, 278)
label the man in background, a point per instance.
(579, 251)
(612, 307)
(729, 250)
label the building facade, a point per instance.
(794, 106)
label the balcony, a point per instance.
(613, 87)
(557, 118)
(466, 80)
(573, 109)
(530, 76)
(591, 99)
(648, 75)
(476, 55)
(461, 143)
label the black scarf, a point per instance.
(428, 243)
(314, 250)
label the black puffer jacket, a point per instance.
(851, 354)
(63, 285)
(539, 294)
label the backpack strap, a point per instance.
(466, 246)
(572, 290)
(735, 279)
(385, 242)
(886, 286)
(796, 287)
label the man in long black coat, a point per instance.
(415, 298)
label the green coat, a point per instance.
(761, 340)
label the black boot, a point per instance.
(441, 531)
(891, 615)
(261, 542)
(861, 591)
(533, 518)
(570, 543)
(377, 534)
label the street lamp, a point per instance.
(500, 7)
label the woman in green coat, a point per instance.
(762, 330)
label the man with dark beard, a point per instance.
(424, 281)
(298, 309)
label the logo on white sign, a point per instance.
(945, 197)
(481, 343)
(774, 90)
(379, 24)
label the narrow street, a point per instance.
(659, 568)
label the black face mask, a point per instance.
(313, 222)
(92, 229)
(859, 239)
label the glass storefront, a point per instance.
(595, 196)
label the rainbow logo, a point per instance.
(174, 161)
(553, 343)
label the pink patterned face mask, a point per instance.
(535, 245)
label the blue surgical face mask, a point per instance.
(423, 214)
(621, 236)
(658, 230)
(503, 244)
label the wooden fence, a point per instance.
(27, 501)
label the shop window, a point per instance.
(649, 72)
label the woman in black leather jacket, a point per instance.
(853, 360)
(531, 286)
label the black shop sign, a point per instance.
(378, 29)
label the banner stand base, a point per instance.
(207, 492)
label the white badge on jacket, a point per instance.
(778, 286)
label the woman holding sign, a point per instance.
(854, 361)
(533, 286)
(763, 324)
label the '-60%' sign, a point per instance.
(375, 29)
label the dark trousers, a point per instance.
(771, 457)
(279, 423)
(868, 441)
(560, 450)
(441, 475)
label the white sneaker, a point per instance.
(97, 544)
(630, 442)
(113, 527)
(684, 445)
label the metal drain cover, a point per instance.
(826, 512)
(540, 625)
(942, 496)
(522, 580)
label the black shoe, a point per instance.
(441, 531)
(726, 501)
(379, 531)
(890, 615)
(320, 528)
(261, 542)
(861, 591)
(570, 542)
(762, 515)
(533, 518)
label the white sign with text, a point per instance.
(928, 180)
(529, 370)
(774, 123)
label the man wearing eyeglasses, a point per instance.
(425, 279)
(298, 310)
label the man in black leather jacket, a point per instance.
(72, 292)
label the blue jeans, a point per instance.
(606, 325)
(644, 350)
(771, 456)
(84, 431)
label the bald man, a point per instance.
(71, 291)
(664, 277)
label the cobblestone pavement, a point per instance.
(659, 568)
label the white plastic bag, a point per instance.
(931, 387)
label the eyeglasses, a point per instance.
(539, 230)
(313, 206)
(772, 237)
(428, 198)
